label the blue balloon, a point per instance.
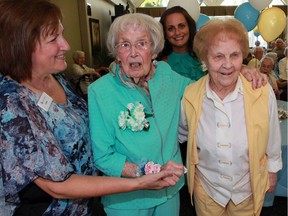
(256, 34)
(247, 15)
(202, 20)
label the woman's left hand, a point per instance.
(253, 75)
(177, 168)
(156, 181)
(272, 181)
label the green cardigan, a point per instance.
(112, 146)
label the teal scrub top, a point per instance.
(186, 65)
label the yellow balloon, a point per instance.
(271, 23)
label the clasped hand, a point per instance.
(168, 176)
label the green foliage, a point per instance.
(153, 3)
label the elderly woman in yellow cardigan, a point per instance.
(234, 149)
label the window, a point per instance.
(252, 37)
(163, 3)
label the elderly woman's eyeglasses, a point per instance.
(126, 46)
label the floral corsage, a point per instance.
(134, 118)
(150, 168)
(147, 168)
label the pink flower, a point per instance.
(150, 168)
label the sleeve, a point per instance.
(75, 72)
(88, 69)
(281, 66)
(274, 143)
(28, 148)
(183, 82)
(183, 128)
(102, 131)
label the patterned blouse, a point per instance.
(35, 143)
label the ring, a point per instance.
(185, 170)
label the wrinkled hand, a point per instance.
(253, 75)
(177, 170)
(164, 178)
(272, 181)
(168, 176)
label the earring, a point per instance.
(154, 62)
(204, 67)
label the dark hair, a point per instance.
(22, 23)
(191, 25)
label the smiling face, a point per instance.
(48, 57)
(135, 63)
(224, 62)
(177, 32)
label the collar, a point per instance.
(116, 71)
(230, 97)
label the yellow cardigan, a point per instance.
(257, 123)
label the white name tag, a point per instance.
(44, 101)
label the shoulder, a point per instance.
(163, 65)
(165, 71)
(283, 60)
(248, 89)
(8, 89)
(253, 60)
(75, 66)
(104, 84)
(196, 86)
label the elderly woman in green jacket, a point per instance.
(134, 114)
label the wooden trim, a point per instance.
(207, 10)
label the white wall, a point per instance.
(76, 24)
(102, 10)
(71, 25)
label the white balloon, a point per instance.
(260, 4)
(213, 2)
(191, 6)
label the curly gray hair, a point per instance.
(138, 20)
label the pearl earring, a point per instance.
(154, 62)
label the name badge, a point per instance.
(44, 101)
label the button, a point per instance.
(223, 125)
(224, 145)
(225, 162)
(226, 177)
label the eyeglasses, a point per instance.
(126, 46)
